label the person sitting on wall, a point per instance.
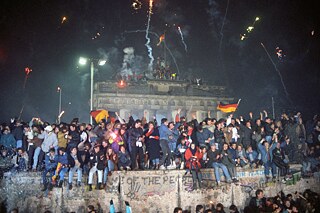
(214, 157)
(97, 159)
(50, 167)
(124, 160)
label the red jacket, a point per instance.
(189, 159)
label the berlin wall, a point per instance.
(146, 191)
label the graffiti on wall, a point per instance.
(140, 187)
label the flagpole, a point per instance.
(237, 105)
(272, 101)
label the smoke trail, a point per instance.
(182, 39)
(221, 31)
(167, 48)
(147, 44)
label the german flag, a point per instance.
(227, 108)
(98, 115)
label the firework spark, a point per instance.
(63, 19)
(182, 39)
(147, 44)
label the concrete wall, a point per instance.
(147, 191)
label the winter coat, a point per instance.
(50, 162)
(71, 160)
(247, 135)
(153, 144)
(48, 140)
(227, 158)
(134, 134)
(203, 136)
(252, 156)
(191, 161)
(8, 141)
(99, 159)
(213, 157)
(124, 158)
(75, 137)
(17, 132)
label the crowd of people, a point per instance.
(307, 202)
(64, 149)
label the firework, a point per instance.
(165, 45)
(280, 53)
(147, 44)
(27, 71)
(182, 39)
(249, 29)
(221, 30)
(243, 36)
(63, 19)
(136, 5)
(278, 71)
(161, 39)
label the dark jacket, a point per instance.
(247, 135)
(75, 137)
(134, 134)
(124, 159)
(213, 157)
(80, 159)
(98, 158)
(227, 158)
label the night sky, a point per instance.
(33, 34)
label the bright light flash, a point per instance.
(63, 19)
(61, 114)
(102, 62)
(113, 135)
(83, 61)
(257, 19)
(250, 28)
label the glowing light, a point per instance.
(242, 37)
(280, 54)
(121, 84)
(113, 135)
(102, 62)
(161, 39)
(58, 89)
(63, 19)
(83, 61)
(250, 28)
(312, 32)
(182, 39)
(136, 5)
(27, 70)
(59, 116)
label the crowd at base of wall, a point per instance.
(147, 191)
